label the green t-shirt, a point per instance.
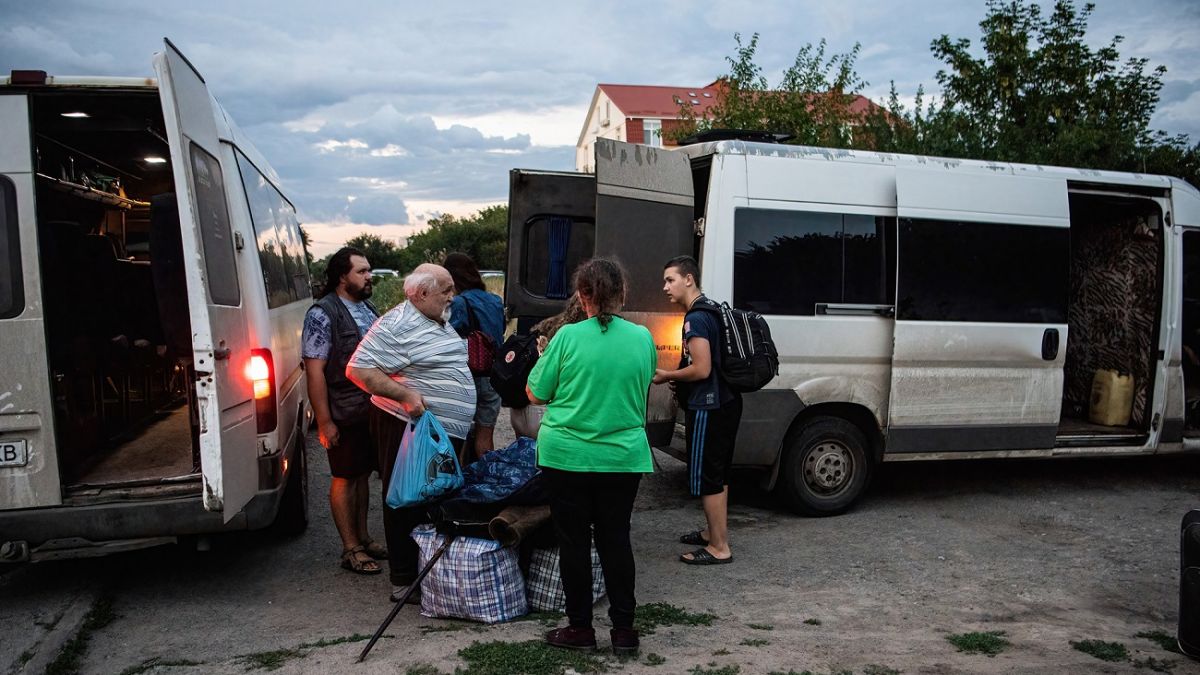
(596, 382)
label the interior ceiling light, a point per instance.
(75, 115)
(154, 160)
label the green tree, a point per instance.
(483, 236)
(379, 251)
(812, 101)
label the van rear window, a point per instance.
(788, 262)
(955, 271)
(12, 300)
(277, 233)
(213, 213)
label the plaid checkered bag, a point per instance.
(544, 587)
(476, 579)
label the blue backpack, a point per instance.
(426, 465)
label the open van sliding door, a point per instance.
(28, 460)
(220, 347)
(981, 311)
(644, 216)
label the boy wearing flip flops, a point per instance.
(713, 413)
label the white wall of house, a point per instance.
(604, 120)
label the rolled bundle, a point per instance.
(513, 523)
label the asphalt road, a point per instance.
(1048, 552)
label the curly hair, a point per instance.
(572, 313)
(601, 282)
(339, 266)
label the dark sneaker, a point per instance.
(624, 641)
(572, 637)
(399, 591)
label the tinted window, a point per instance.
(544, 248)
(954, 271)
(786, 262)
(277, 235)
(12, 300)
(213, 217)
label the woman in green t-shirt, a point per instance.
(592, 448)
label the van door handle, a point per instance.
(221, 353)
(1050, 344)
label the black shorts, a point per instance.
(354, 455)
(710, 439)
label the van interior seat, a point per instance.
(170, 281)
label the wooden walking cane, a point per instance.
(399, 604)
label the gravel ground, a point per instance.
(1049, 552)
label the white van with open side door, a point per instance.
(153, 286)
(923, 308)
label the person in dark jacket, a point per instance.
(333, 328)
(475, 308)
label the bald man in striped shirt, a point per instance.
(411, 361)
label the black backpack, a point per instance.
(749, 359)
(511, 367)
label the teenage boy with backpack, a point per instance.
(714, 410)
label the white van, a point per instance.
(153, 286)
(923, 308)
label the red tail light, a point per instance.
(260, 370)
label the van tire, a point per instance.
(292, 517)
(825, 468)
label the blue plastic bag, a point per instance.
(426, 465)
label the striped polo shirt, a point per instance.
(426, 356)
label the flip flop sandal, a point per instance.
(375, 549)
(701, 556)
(694, 538)
(351, 562)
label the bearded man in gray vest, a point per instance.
(333, 328)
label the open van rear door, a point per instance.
(983, 262)
(645, 214)
(224, 396)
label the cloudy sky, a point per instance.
(380, 114)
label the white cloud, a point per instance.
(558, 125)
(333, 145)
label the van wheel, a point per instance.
(825, 467)
(292, 518)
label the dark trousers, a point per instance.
(600, 503)
(386, 432)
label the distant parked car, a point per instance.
(384, 272)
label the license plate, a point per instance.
(14, 453)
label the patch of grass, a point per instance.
(272, 660)
(159, 662)
(650, 617)
(760, 626)
(876, 669)
(100, 615)
(357, 637)
(1157, 665)
(755, 642)
(990, 643)
(813, 622)
(448, 627)
(532, 657)
(1162, 638)
(1105, 651)
(722, 652)
(547, 619)
(655, 660)
(712, 670)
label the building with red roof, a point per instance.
(643, 114)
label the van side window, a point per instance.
(786, 262)
(956, 271)
(12, 300)
(215, 232)
(277, 232)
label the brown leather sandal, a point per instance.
(353, 563)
